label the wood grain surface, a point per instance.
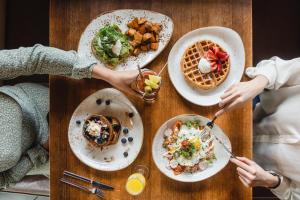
(68, 19)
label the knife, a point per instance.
(92, 182)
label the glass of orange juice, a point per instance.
(136, 182)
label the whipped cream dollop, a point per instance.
(94, 128)
(116, 49)
(204, 66)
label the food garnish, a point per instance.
(99, 101)
(110, 45)
(125, 130)
(130, 139)
(151, 83)
(107, 102)
(123, 140)
(216, 57)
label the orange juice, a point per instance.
(135, 184)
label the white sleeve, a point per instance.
(283, 191)
(280, 73)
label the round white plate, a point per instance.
(119, 107)
(162, 162)
(121, 18)
(227, 39)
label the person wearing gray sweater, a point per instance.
(24, 107)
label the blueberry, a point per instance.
(78, 122)
(107, 102)
(125, 154)
(130, 139)
(131, 114)
(125, 130)
(123, 140)
(99, 140)
(99, 101)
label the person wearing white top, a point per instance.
(276, 126)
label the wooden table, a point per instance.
(68, 19)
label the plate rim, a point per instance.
(142, 127)
(172, 177)
(127, 9)
(191, 32)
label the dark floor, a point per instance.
(276, 31)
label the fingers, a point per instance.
(220, 112)
(230, 88)
(244, 181)
(245, 160)
(228, 99)
(228, 107)
(243, 165)
(245, 174)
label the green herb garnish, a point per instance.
(104, 41)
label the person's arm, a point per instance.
(43, 60)
(280, 73)
(252, 175)
(34, 157)
(268, 74)
(48, 60)
(283, 191)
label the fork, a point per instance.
(205, 131)
(94, 191)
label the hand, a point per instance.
(241, 92)
(119, 79)
(251, 174)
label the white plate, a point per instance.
(94, 156)
(162, 162)
(121, 18)
(227, 39)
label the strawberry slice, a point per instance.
(216, 56)
(213, 66)
(223, 56)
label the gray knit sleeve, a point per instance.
(34, 157)
(43, 60)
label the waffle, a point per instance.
(189, 66)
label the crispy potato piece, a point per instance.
(153, 38)
(144, 47)
(133, 24)
(156, 27)
(141, 20)
(138, 37)
(136, 51)
(142, 29)
(131, 32)
(147, 36)
(133, 43)
(154, 45)
(148, 26)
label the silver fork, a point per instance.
(94, 191)
(205, 132)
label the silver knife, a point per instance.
(210, 125)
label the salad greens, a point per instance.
(188, 151)
(192, 123)
(110, 45)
